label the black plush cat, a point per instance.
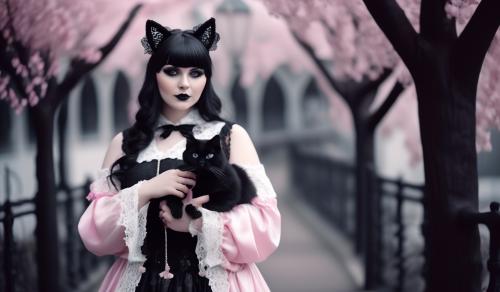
(227, 184)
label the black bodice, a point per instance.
(181, 246)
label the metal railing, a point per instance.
(18, 272)
(328, 185)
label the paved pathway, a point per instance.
(311, 257)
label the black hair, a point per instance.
(181, 49)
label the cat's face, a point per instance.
(204, 153)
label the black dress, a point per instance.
(181, 246)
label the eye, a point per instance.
(209, 156)
(195, 155)
(170, 71)
(195, 73)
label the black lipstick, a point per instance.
(182, 96)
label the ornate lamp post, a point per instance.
(233, 17)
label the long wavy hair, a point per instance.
(181, 49)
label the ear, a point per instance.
(215, 140)
(206, 33)
(155, 33)
(190, 139)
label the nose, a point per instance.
(183, 82)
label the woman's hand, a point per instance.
(173, 182)
(181, 224)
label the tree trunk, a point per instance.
(47, 243)
(366, 201)
(447, 113)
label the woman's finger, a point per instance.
(177, 193)
(187, 181)
(163, 205)
(200, 200)
(183, 188)
(187, 174)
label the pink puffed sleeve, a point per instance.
(110, 219)
(251, 232)
(247, 234)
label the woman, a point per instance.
(216, 252)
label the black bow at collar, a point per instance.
(185, 130)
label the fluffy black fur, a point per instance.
(227, 184)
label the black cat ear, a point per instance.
(155, 34)
(190, 139)
(215, 140)
(207, 35)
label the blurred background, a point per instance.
(324, 97)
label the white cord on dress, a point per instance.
(166, 273)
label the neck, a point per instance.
(174, 115)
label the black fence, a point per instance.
(18, 266)
(329, 185)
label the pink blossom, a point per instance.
(358, 48)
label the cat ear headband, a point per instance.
(156, 33)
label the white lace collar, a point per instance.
(203, 130)
(192, 117)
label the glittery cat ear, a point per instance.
(155, 34)
(206, 33)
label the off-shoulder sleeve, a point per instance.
(249, 233)
(112, 224)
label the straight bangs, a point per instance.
(183, 50)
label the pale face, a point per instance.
(180, 87)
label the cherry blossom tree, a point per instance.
(445, 62)
(443, 45)
(352, 55)
(43, 55)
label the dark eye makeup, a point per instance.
(174, 71)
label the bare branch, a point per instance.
(477, 36)
(434, 24)
(321, 66)
(80, 68)
(366, 88)
(396, 27)
(377, 116)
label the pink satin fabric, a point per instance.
(251, 234)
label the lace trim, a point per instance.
(258, 175)
(209, 252)
(134, 222)
(204, 131)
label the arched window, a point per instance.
(315, 106)
(121, 98)
(5, 127)
(89, 113)
(273, 106)
(239, 96)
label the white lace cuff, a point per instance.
(102, 184)
(209, 251)
(134, 221)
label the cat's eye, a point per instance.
(209, 156)
(195, 155)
